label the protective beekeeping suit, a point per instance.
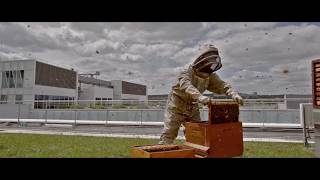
(186, 93)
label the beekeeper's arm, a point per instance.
(218, 86)
(185, 79)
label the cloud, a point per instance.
(154, 32)
(159, 50)
(11, 56)
(263, 57)
(130, 57)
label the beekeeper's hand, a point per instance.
(204, 100)
(238, 99)
(235, 96)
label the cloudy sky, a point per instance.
(263, 57)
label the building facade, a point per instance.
(94, 89)
(123, 90)
(29, 80)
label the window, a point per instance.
(4, 99)
(106, 99)
(50, 101)
(40, 97)
(19, 99)
(39, 102)
(4, 80)
(12, 79)
(37, 97)
(20, 78)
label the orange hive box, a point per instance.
(221, 135)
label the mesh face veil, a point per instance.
(208, 62)
(215, 66)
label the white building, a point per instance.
(28, 80)
(31, 80)
(94, 89)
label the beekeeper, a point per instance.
(186, 93)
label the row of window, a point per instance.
(103, 99)
(49, 97)
(41, 101)
(12, 79)
(18, 99)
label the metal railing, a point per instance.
(129, 112)
(78, 110)
(145, 104)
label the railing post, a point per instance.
(107, 113)
(19, 114)
(75, 117)
(303, 122)
(46, 116)
(140, 117)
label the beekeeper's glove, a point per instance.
(204, 100)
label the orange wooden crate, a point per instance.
(221, 135)
(221, 140)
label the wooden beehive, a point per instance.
(316, 83)
(221, 135)
(162, 151)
